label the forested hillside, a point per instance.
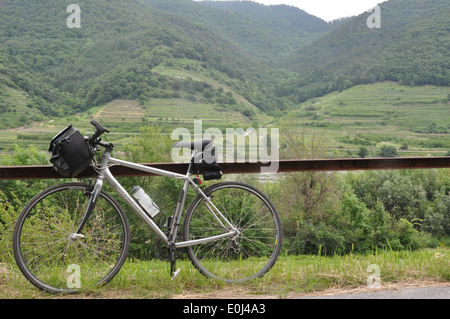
(411, 47)
(61, 70)
(263, 32)
(234, 56)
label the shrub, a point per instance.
(8, 216)
(317, 239)
(387, 151)
(433, 223)
(408, 236)
(363, 152)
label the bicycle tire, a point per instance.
(253, 252)
(54, 260)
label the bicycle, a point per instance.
(75, 235)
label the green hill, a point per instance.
(169, 63)
(411, 47)
(263, 32)
(114, 55)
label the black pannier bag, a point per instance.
(205, 163)
(71, 154)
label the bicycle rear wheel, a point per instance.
(250, 254)
(55, 259)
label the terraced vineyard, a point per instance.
(121, 111)
(414, 120)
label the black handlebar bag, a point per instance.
(71, 154)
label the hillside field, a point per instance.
(411, 118)
(377, 114)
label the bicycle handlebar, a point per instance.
(99, 131)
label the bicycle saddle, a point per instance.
(199, 145)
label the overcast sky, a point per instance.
(329, 9)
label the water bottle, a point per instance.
(145, 201)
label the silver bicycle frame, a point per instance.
(105, 173)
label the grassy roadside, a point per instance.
(291, 275)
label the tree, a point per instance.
(309, 196)
(387, 151)
(404, 146)
(363, 152)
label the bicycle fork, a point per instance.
(94, 194)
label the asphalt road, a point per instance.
(403, 293)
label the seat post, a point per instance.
(192, 162)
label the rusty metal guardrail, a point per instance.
(284, 166)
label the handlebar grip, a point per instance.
(100, 130)
(99, 127)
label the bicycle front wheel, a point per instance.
(49, 252)
(234, 259)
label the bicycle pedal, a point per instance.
(175, 273)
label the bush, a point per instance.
(317, 239)
(402, 197)
(387, 151)
(407, 235)
(433, 223)
(358, 229)
(8, 216)
(363, 152)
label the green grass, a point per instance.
(291, 275)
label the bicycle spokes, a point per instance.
(254, 247)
